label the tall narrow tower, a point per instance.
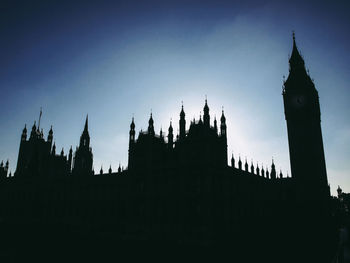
(302, 113)
(182, 123)
(83, 156)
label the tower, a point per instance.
(83, 155)
(206, 116)
(302, 113)
(150, 126)
(131, 143)
(182, 123)
(223, 135)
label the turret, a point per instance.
(50, 136)
(33, 133)
(273, 171)
(252, 168)
(182, 123)
(206, 116)
(170, 136)
(200, 118)
(150, 126)
(267, 173)
(239, 163)
(24, 133)
(223, 125)
(232, 162)
(132, 132)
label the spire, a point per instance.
(85, 137)
(86, 123)
(119, 169)
(298, 77)
(239, 163)
(132, 125)
(33, 133)
(62, 152)
(24, 133)
(110, 169)
(296, 59)
(101, 171)
(257, 169)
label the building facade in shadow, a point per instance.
(180, 190)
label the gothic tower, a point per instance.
(182, 123)
(131, 143)
(206, 115)
(83, 154)
(302, 113)
(223, 136)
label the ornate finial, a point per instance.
(293, 34)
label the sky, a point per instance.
(116, 59)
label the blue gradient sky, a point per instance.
(115, 59)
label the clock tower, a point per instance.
(302, 113)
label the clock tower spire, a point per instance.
(303, 117)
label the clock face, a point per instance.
(299, 101)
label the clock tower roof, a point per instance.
(298, 78)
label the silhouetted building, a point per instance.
(181, 189)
